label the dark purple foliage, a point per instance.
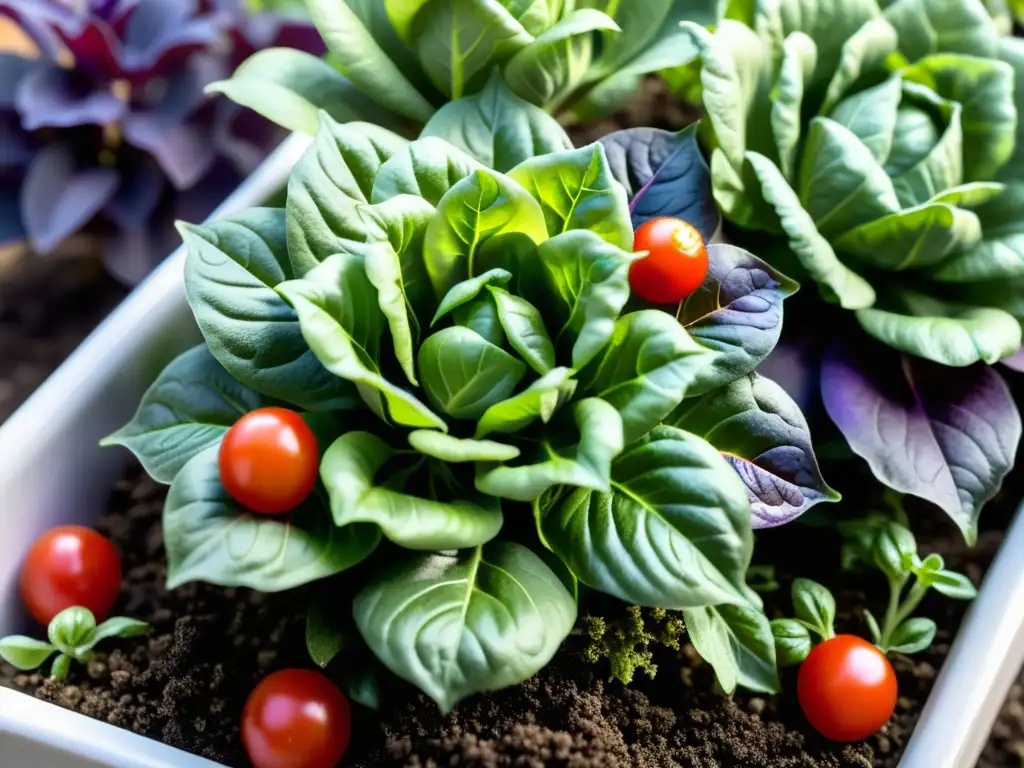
(948, 435)
(665, 175)
(110, 125)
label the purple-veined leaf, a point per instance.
(54, 97)
(184, 151)
(1015, 362)
(58, 198)
(664, 174)
(948, 435)
(737, 312)
(765, 437)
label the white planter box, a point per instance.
(52, 471)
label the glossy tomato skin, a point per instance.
(269, 460)
(847, 688)
(676, 262)
(67, 566)
(296, 718)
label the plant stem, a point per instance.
(899, 610)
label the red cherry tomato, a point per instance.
(269, 460)
(296, 718)
(67, 566)
(676, 262)
(847, 688)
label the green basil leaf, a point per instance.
(984, 87)
(814, 605)
(481, 223)
(524, 328)
(737, 641)
(361, 685)
(497, 127)
(495, 616)
(189, 407)
(580, 457)
(459, 449)
(762, 433)
(799, 56)
(865, 52)
(672, 532)
(24, 653)
(328, 630)
(72, 629)
(949, 334)
(231, 270)
(792, 641)
(892, 549)
(952, 584)
(401, 14)
(464, 374)
(576, 190)
(329, 190)
(540, 400)
(364, 62)
(210, 538)
(547, 70)
(737, 313)
(120, 626)
(870, 115)
(837, 282)
(841, 184)
(587, 282)
(291, 87)
(426, 168)
(912, 636)
(349, 469)
(929, 26)
(341, 323)
(645, 369)
(914, 237)
(466, 291)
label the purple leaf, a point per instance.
(39, 19)
(95, 48)
(160, 34)
(52, 97)
(184, 151)
(13, 69)
(948, 435)
(15, 147)
(58, 198)
(1015, 362)
(243, 136)
(763, 434)
(11, 228)
(664, 174)
(137, 196)
(737, 312)
(132, 254)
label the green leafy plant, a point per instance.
(397, 62)
(626, 642)
(891, 548)
(494, 428)
(72, 634)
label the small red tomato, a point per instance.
(847, 688)
(296, 718)
(67, 566)
(676, 262)
(269, 460)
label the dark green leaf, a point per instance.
(466, 291)
(912, 636)
(524, 328)
(892, 550)
(361, 685)
(792, 641)
(328, 627)
(814, 605)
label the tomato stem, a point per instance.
(898, 610)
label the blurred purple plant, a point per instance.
(109, 127)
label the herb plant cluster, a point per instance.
(883, 149)
(497, 419)
(108, 127)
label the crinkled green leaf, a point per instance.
(645, 369)
(524, 328)
(837, 282)
(737, 641)
(576, 190)
(1000, 255)
(799, 57)
(210, 538)
(870, 115)
(497, 127)
(580, 457)
(919, 175)
(427, 168)
(461, 623)
(862, 54)
(232, 269)
(459, 449)
(930, 26)
(463, 374)
(189, 407)
(483, 222)
(342, 324)
(540, 400)
(673, 531)
(349, 471)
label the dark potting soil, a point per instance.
(186, 683)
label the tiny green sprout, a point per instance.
(72, 635)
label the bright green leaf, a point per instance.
(862, 54)
(792, 641)
(930, 26)
(814, 605)
(459, 449)
(870, 115)
(466, 291)
(952, 584)
(120, 626)
(24, 653)
(799, 56)
(737, 641)
(524, 328)
(427, 168)
(912, 636)
(538, 401)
